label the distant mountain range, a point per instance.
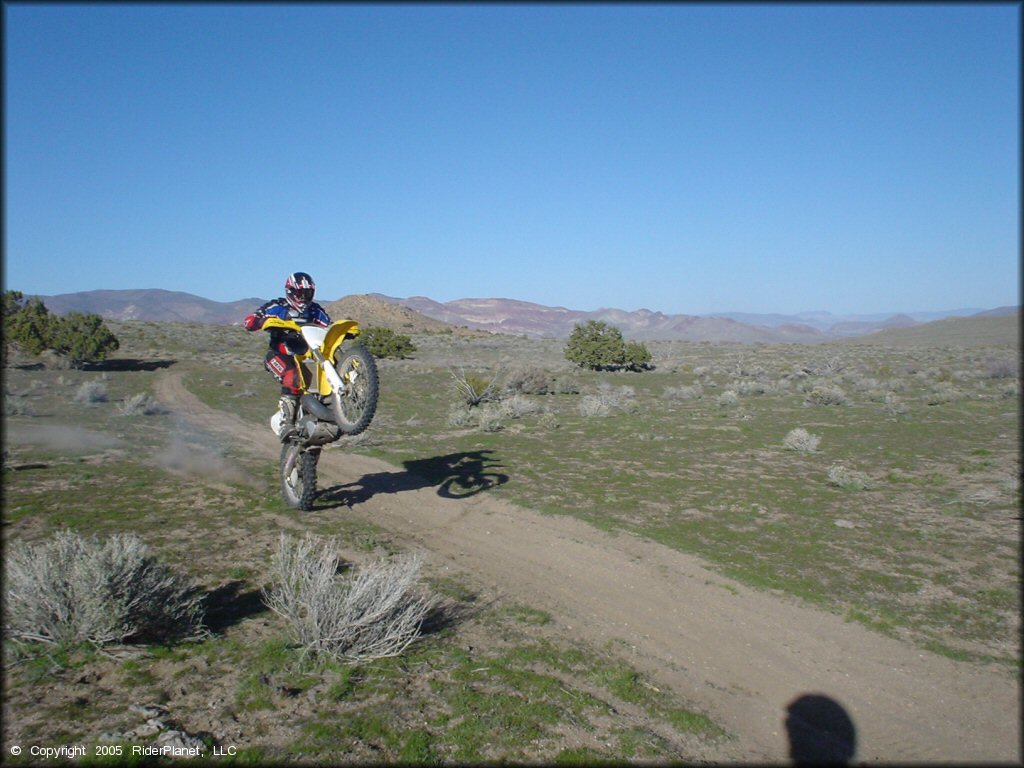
(419, 314)
(152, 304)
(520, 317)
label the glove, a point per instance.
(254, 322)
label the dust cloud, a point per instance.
(188, 455)
(61, 438)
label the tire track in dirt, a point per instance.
(741, 655)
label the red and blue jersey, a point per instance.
(281, 339)
(314, 314)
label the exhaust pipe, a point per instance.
(313, 405)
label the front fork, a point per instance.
(293, 457)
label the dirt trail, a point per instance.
(742, 655)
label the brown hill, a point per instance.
(369, 310)
(979, 331)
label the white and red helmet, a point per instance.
(298, 290)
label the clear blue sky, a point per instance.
(683, 158)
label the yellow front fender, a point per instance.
(336, 334)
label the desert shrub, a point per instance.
(824, 394)
(548, 420)
(865, 384)
(70, 590)
(565, 385)
(80, 338)
(27, 322)
(728, 399)
(140, 404)
(373, 613)
(593, 405)
(756, 387)
(384, 342)
(596, 345)
(876, 395)
(1001, 369)
(474, 390)
(847, 479)
(83, 338)
(694, 392)
(944, 393)
(528, 380)
(517, 406)
(637, 357)
(893, 405)
(801, 440)
(599, 346)
(460, 416)
(17, 407)
(488, 418)
(1010, 390)
(825, 368)
(94, 391)
(608, 398)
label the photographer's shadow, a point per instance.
(455, 475)
(820, 731)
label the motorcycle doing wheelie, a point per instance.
(339, 388)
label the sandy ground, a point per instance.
(741, 655)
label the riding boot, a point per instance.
(288, 405)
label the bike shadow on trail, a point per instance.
(455, 475)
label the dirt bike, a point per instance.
(339, 397)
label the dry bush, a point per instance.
(140, 405)
(621, 398)
(694, 392)
(593, 405)
(474, 390)
(89, 392)
(528, 380)
(608, 398)
(69, 590)
(488, 418)
(1002, 369)
(548, 420)
(943, 393)
(460, 416)
(865, 384)
(893, 405)
(755, 387)
(17, 407)
(801, 440)
(728, 399)
(824, 394)
(847, 479)
(565, 385)
(373, 613)
(517, 406)
(825, 368)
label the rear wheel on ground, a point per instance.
(298, 476)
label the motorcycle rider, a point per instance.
(297, 305)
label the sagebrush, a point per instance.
(71, 590)
(801, 440)
(374, 613)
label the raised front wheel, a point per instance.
(355, 404)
